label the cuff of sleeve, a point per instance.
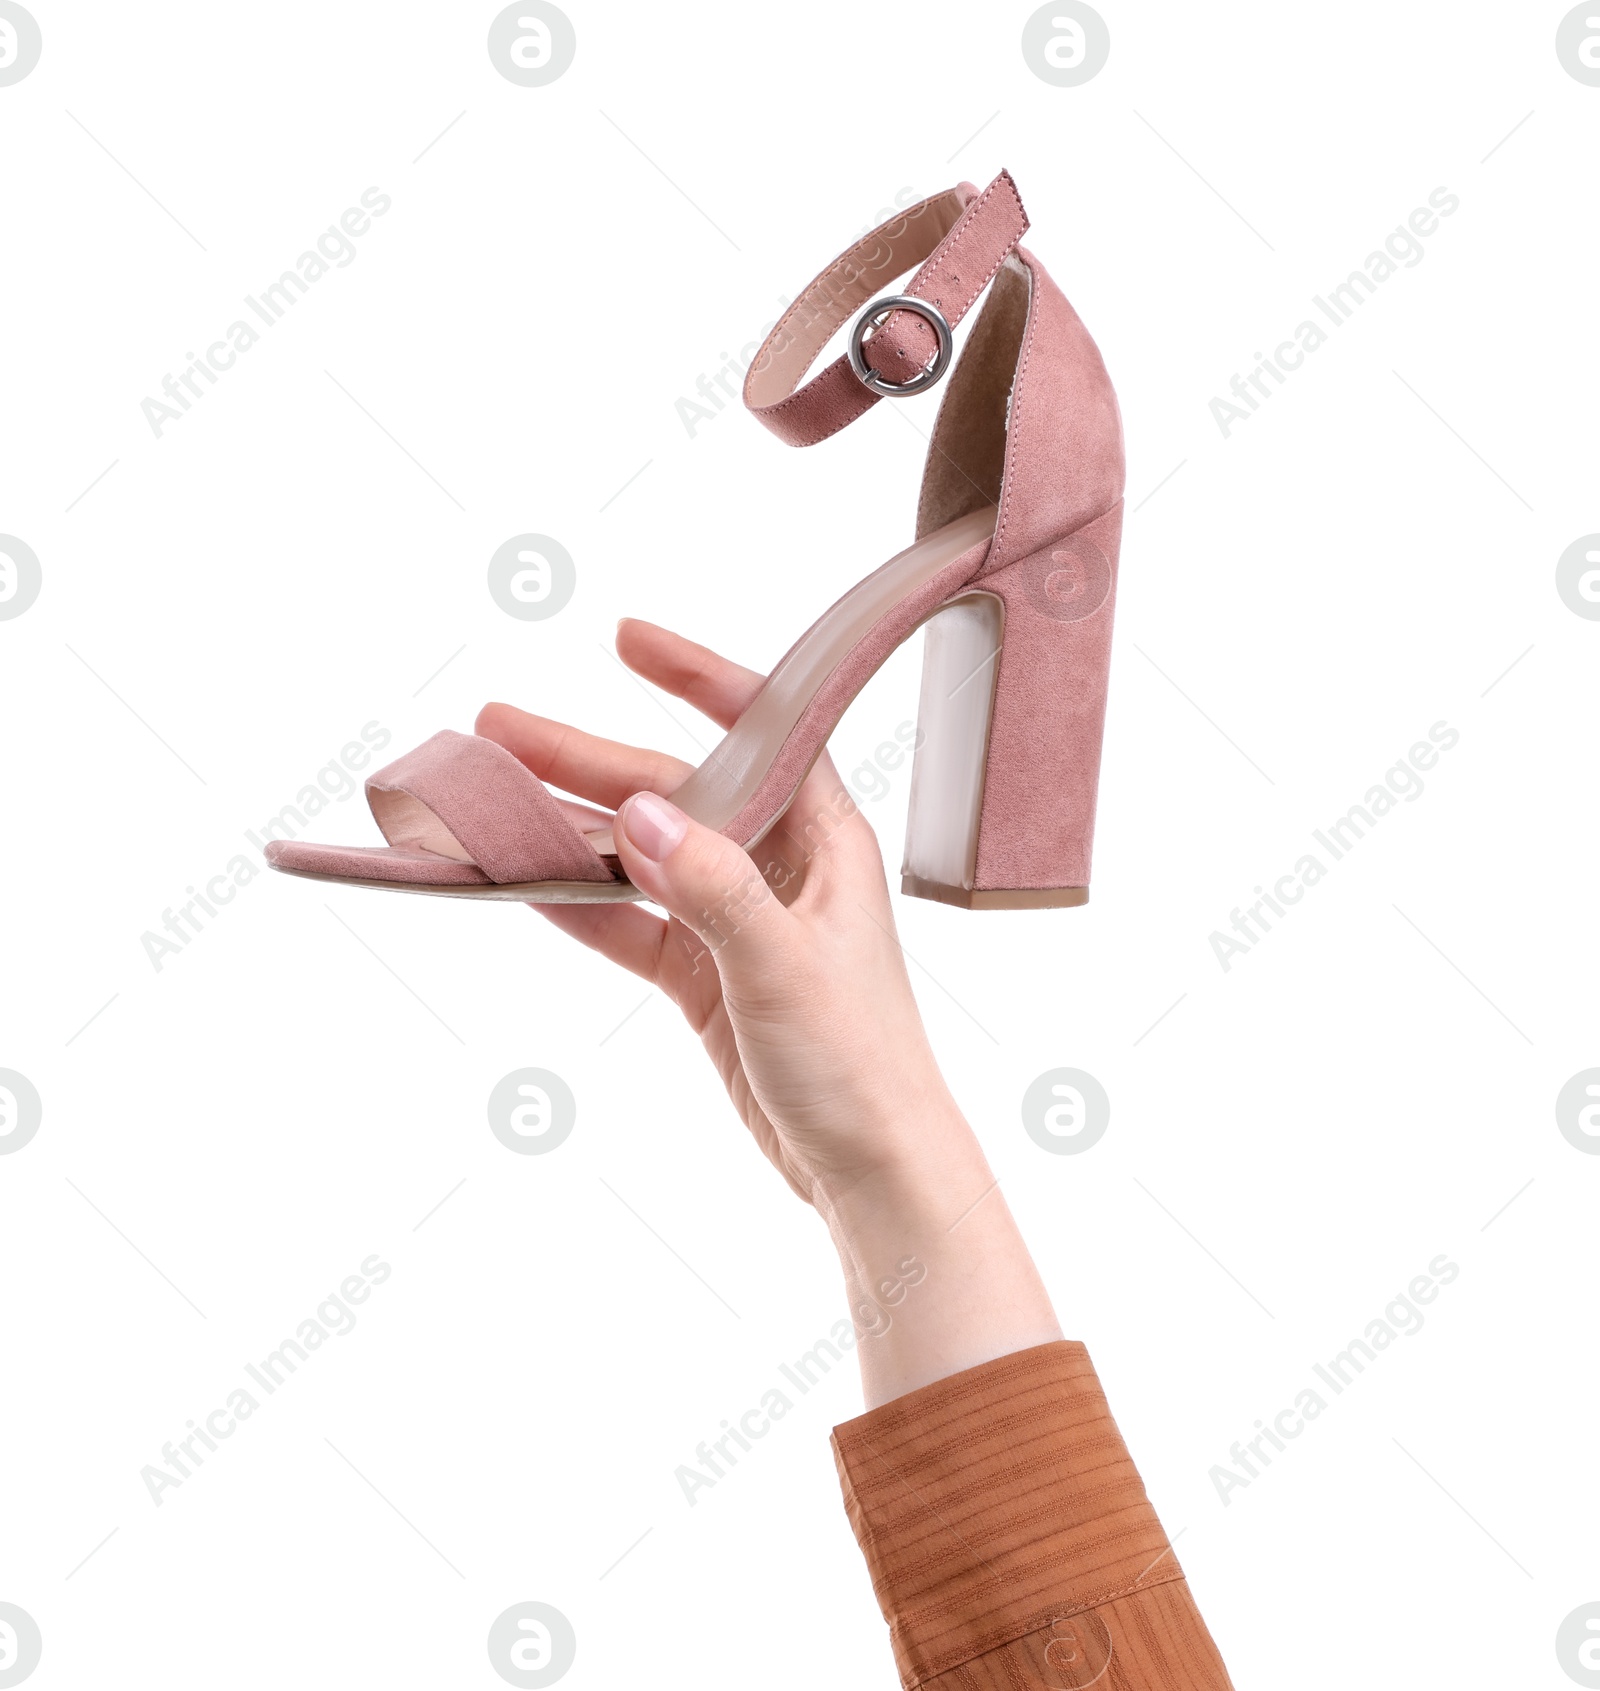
(995, 1504)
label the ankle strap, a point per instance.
(960, 238)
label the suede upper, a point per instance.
(458, 810)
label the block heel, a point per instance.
(1010, 726)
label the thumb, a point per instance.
(701, 877)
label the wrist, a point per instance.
(922, 1163)
(937, 1274)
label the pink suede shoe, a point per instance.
(1015, 557)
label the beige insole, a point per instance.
(726, 782)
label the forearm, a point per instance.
(938, 1276)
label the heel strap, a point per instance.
(960, 238)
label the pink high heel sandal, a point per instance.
(1015, 559)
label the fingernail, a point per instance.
(654, 827)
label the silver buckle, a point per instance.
(873, 318)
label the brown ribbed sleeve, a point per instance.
(1010, 1540)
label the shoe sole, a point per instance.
(995, 898)
(523, 892)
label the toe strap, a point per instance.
(462, 796)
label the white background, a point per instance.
(1365, 1090)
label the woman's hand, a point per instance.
(785, 962)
